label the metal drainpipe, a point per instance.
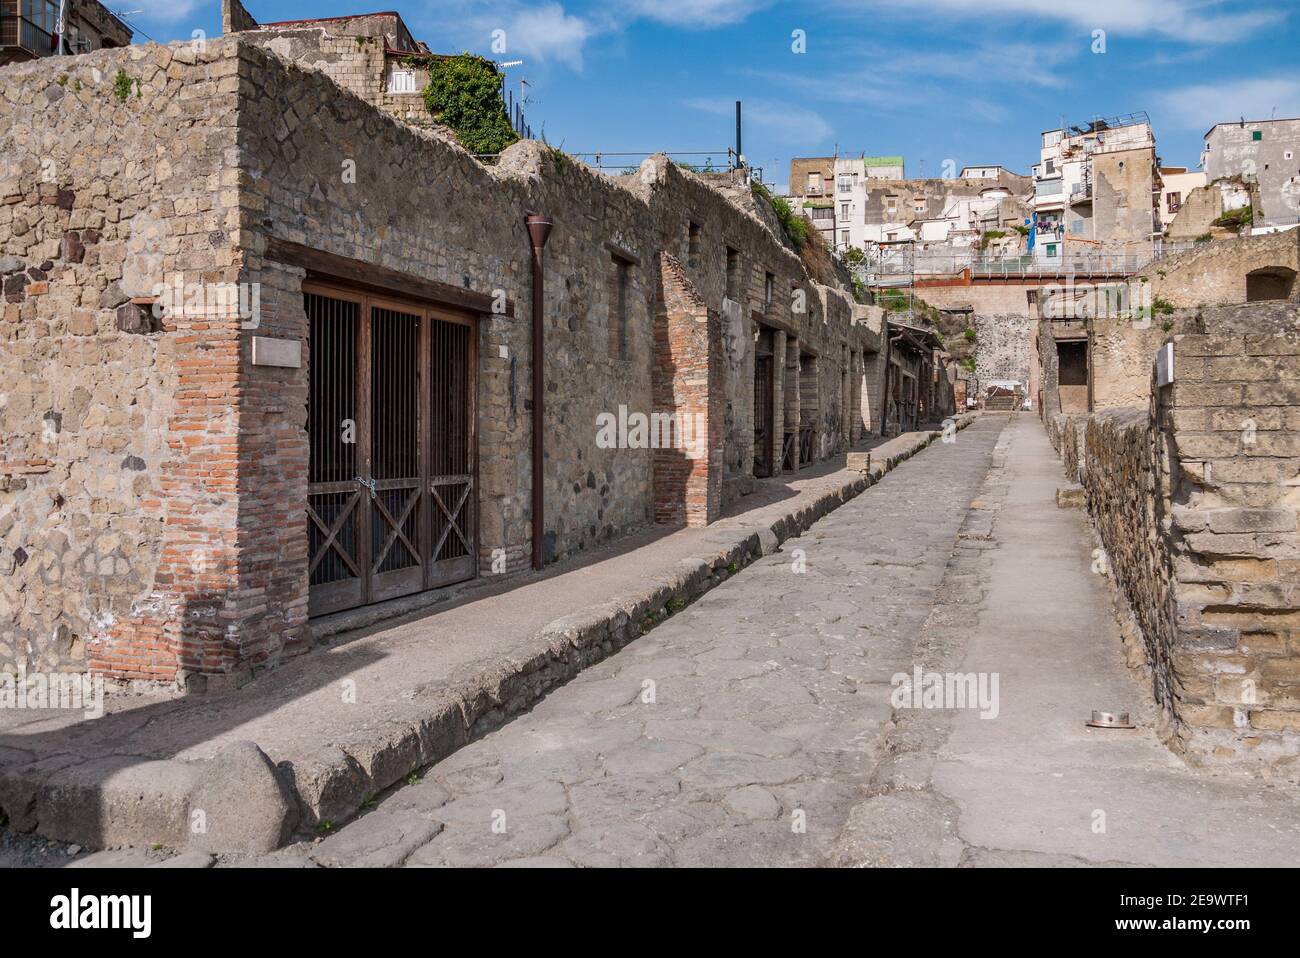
(539, 230)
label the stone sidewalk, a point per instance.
(361, 714)
(738, 732)
(1035, 786)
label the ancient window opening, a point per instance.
(1270, 283)
(619, 279)
(769, 290)
(733, 274)
(693, 232)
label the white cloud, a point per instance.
(701, 14)
(545, 33)
(1192, 21)
(548, 33)
(1200, 106)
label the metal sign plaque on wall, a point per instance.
(286, 353)
(1165, 365)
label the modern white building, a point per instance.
(1266, 152)
(1071, 161)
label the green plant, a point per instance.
(674, 605)
(892, 300)
(969, 334)
(1161, 305)
(968, 363)
(324, 826)
(123, 84)
(1236, 220)
(413, 778)
(1021, 229)
(1204, 238)
(464, 93)
(988, 236)
(733, 568)
(369, 801)
(793, 225)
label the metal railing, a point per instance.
(899, 267)
(699, 161)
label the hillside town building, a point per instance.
(1266, 153)
(29, 29)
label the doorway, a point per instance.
(391, 504)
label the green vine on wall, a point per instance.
(464, 93)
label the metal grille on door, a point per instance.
(391, 417)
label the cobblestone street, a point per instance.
(739, 732)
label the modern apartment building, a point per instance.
(1268, 151)
(1096, 186)
(831, 191)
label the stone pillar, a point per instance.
(777, 431)
(791, 415)
(688, 387)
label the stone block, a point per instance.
(240, 803)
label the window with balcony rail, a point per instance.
(32, 28)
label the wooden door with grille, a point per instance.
(391, 413)
(764, 414)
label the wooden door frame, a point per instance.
(427, 312)
(764, 348)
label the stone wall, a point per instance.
(1214, 273)
(1194, 499)
(152, 517)
(119, 520)
(1004, 328)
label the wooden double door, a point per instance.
(391, 495)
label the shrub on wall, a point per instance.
(464, 93)
(793, 225)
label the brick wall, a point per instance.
(118, 493)
(688, 386)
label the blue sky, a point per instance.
(972, 81)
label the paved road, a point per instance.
(1036, 786)
(742, 731)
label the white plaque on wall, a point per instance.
(1165, 365)
(277, 352)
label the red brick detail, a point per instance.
(688, 385)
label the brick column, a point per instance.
(687, 384)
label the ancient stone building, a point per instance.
(1181, 425)
(268, 355)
